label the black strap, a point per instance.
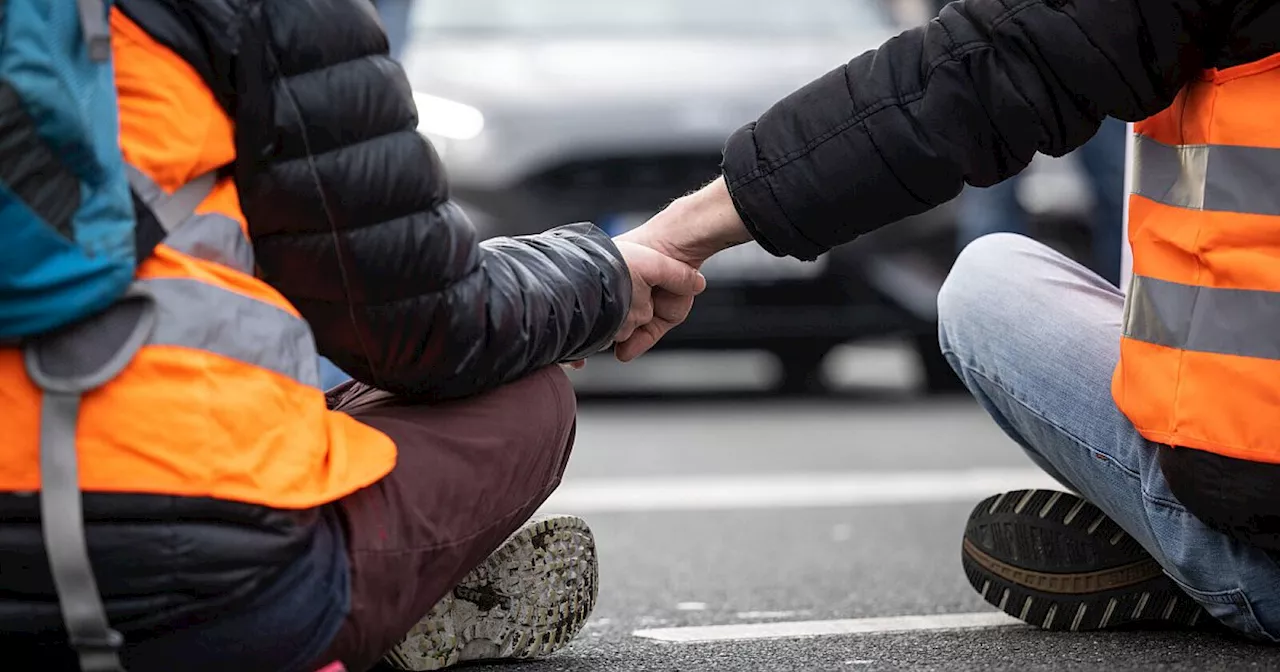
(154, 222)
(147, 232)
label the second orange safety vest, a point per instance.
(1200, 355)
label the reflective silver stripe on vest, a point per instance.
(1220, 178)
(211, 236)
(216, 238)
(172, 211)
(194, 314)
(1204, 319)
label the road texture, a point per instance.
(674, 557)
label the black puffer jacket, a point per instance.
(349, 209)
(970, 98)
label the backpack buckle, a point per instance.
(97, 32)
(111, 640)
(99, 652)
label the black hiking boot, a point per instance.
(1058, 562)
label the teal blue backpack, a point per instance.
(67, 243)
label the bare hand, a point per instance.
(662, 291)
(695, 227)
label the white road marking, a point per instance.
(691, 606)
(788, 490)
(854, 626)
(759, 615)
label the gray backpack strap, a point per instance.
(65, 365)
(97, 32)
(172, 210)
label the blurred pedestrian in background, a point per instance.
(998, 208)
(911, 13)
(395, 16)
(330, 375)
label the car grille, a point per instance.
(596, 186)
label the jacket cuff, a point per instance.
(614, 282)
(753, 197)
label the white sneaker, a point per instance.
(527, 600)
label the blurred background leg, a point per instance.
(395, 20)
(1103, 162)
(330, 375)
(993, 209)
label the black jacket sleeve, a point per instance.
(968, 98)
(349, 211)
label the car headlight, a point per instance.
(447, 118)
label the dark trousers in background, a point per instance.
(395, 16)
(996, 209)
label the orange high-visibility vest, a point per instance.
(223, 400)
(1200, 356)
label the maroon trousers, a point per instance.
(468, 474)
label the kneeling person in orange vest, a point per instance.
(196, 199)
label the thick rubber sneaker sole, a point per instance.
(527, 600)
(1058, 562)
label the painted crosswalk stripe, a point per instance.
(853, 626)
(789, 490)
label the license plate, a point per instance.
(747, 263)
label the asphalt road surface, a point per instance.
(766, 534)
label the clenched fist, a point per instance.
(662, 291)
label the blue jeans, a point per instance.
(996, 209)
(1035, 337)
(330, 375)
